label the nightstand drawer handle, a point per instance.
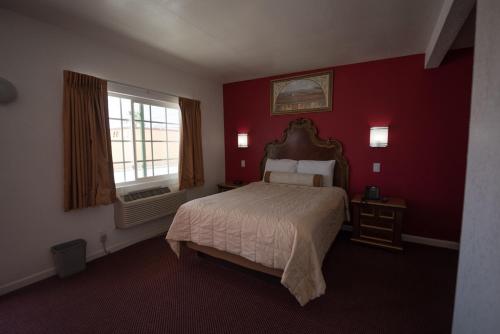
(387, 214)
(368, 212)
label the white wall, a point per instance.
(33, 56)
(477, 302)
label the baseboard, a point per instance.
(25, 281)
(431, 242)
(118, 246)
(46, 273)
(421, 240)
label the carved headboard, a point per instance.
(301, 142)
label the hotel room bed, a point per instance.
(281, 226)
(280, 229)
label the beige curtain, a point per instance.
(88, 164)
(191, 155)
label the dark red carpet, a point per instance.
(145, 289)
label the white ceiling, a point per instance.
(232, 40)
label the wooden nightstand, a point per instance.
(229, 186)
(378, 223)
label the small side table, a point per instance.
(378, 223)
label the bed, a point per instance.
(282, 230)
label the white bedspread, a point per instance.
(280, 226)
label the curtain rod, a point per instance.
(146, 89)
(137, 87)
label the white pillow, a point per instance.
(281, 165)
(324, 168)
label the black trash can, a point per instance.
(70, 257)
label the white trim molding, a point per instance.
(431, 242)
(421, 240)
(25, 281)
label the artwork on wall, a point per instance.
(300, 94)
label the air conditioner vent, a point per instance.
(132, 196)
(142, 210)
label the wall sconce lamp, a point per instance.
(242, 140)
(379, 136)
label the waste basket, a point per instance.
(69, 257)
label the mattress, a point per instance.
(280, 226)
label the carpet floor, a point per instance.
(146, 289)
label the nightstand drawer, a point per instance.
(378, 223)
(386, 213)
(381, 223)
(376, 233)
(367, 211)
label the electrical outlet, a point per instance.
(243, 164)
(376, 167)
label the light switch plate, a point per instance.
(243, 164)
(376, 167)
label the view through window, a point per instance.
(144, 138)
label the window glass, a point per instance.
(126, 109)
(173, 132)
(146, 112)
(128, 151)
(173, 149)
(160, 167)
(119, 173)
(160, 150)
(158, 114)
(173, 116)
(116, 150)
(115, 128)
(159, 131)
(144, 138)
(114, 107)
(173, 166)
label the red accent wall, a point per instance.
(428, 115)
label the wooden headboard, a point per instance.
(301, 142)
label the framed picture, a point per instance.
(300, 94)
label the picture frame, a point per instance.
(302, 94)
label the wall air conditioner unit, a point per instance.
(143, 206)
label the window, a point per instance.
(144, 138)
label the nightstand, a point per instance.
(229, 186)
(378, 223)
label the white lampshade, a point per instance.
(242, 140)
(379, 136)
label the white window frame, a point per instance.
(148, 181)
